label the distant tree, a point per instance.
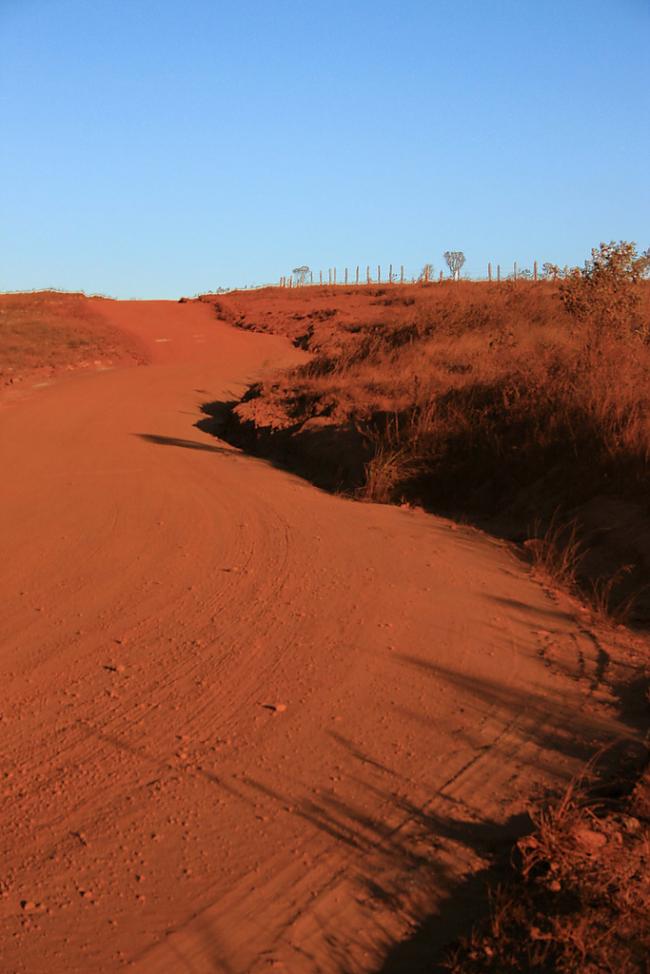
(301, 274)
(455, 260)
(550, 271)
(554, 272)
(427, 273)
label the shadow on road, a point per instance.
(431, 860)
(185, 444)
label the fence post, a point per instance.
(311, 277)
(378, 274)
(535, 270)
(356, 280)
(329, 275)
(320, 273)
(498, 273)
(390, 273)
(515, 270)
(335, 275)
(367, 273)
(346, 275)
(441, 277)
(489, 272)
(401, 274)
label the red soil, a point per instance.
(248, 725)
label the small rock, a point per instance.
(528, 842)
(277, 708)
(631, 824)
(590, 839)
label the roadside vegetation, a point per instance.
(577, 895)
(516, 404)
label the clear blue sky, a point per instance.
(167, 147)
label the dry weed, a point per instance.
(558, 552)
(578, 899)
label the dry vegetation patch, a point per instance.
(49, 331)
(507, 403)
(578, 897)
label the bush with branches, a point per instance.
(604, 292)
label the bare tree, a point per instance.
(455, 260)
(427, 273)
(300, 275)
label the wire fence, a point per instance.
(360, 275)
(364, 275)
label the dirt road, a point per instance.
(247, 725)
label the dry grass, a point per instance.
(51, 330)
(492, 390)
(608, 605)
(578, 898)
(557, 551)
(476, 400)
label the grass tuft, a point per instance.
(557, 554)
(578, 897)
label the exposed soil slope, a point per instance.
(248, 725)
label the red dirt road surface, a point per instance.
(247, 725)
